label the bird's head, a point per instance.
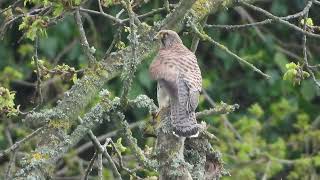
(167, 38)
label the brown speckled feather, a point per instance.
(178, 74)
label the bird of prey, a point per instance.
(179, 82)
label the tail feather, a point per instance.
(183, 121)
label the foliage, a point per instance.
(6, 102)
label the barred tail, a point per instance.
(183, 121)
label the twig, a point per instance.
(222, 47)
(116, 37)
(166, 5)
(33, 12)
(265, 175)
(118, 153)
(304, 49)
(19, 143)
(150, 13)
(8, 124)
(231, 127)
(218, 109)
(12, 161)
(316, 2)
(208, 98)
(278, 19)
(266, 21)
(100, 7)
(102, 149)
(10, 6)
(64, 51)
(87, 145)
(83, 39)
(132, 142)
(121, 165)
(131, 66)
(196, 39)
(112, 18)
(100, 166)
(89, 168)
(36, 62)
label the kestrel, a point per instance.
(179, 82)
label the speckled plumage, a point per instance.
(179, 82)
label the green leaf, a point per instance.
(7, 102)
(77, 2)
(291, 65)
(58, 9)
(119, 145)
(309, 22)
(256, 110)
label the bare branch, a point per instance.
(8, 23)
(278, 19)
(83, 39)
(100, 166)
(90, 166)
(205, 37)
(22, 141)
(66, 49)
(264, 22)
(316, 2)
(218, 109)
(11, 163)
(36, 62)
(116, 20)
(103, 150)
(132, 142)
(150, 13)
(304, 45)
(130, 66)
(116, 37)
(87, 145)
(10, 6)
(166, 5)
(121, 165)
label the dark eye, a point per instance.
(165, 35)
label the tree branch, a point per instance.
(130, 66)
(19, 143)
(103, 150)
(205, 37)
(278, 19)
(221, 108)
(83, 39)
(267, 21)
(178, 13)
